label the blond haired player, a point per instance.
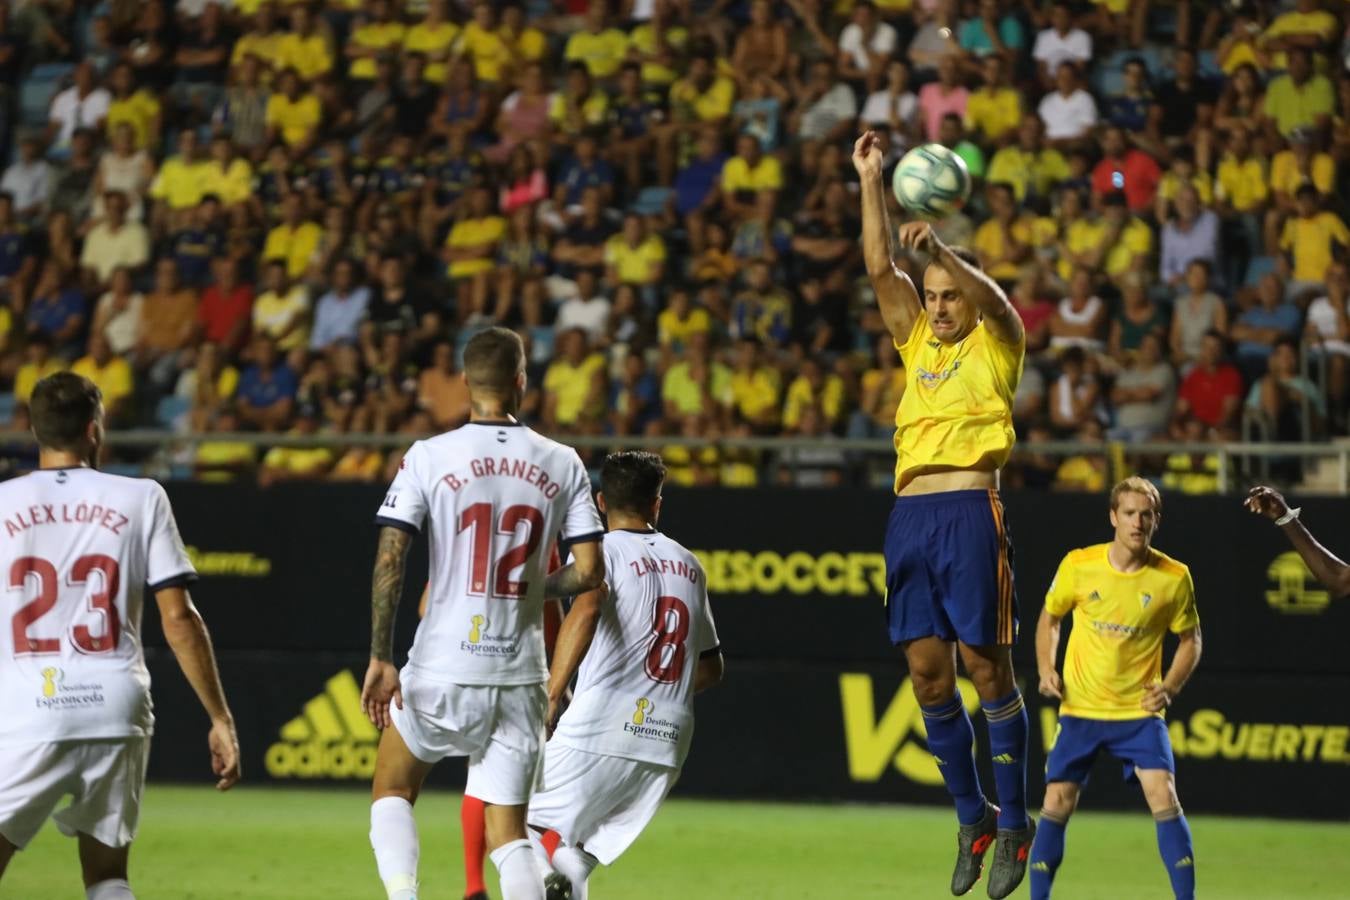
(949, 579)
(496, 495)
(1125, 596)
(81, 550)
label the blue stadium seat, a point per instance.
(37, 91)
(128, 470)
(651, 200)
(7, 404)
(170, 410)
(180, 472)
(1258, 268)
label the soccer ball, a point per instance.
(931, 181)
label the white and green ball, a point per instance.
(931, 181)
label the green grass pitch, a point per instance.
(297, 844)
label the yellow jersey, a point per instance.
(1119, 619)
(956, 412)
(140, 111)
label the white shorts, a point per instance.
(600, 803)
(105, 779)
(500, 730)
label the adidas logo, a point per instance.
(331, 738)
(1184, 863)
(1006, 759)
(1094, 596)
(1040, 867)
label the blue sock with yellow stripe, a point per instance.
(1047, 852)
(1174, 844)
(951, 740)
(1007, 718)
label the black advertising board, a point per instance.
(795, 575)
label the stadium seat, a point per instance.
(37, 91)
(651, 200)
(7, 404)
(169, 410)
(1258, 268)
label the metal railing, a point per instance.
(1238, 463)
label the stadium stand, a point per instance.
(289, 217)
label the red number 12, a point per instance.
(480, 520)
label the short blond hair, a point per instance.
(1136, 485)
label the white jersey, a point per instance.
(497, 495)
(635, 689)
(80, 550)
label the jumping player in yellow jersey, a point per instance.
(1125, 597)
(949, 579)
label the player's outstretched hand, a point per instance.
(224, 744)
(867, 156)
(382, 687)
(917, 236)
(1052, 685)
(1265, 501)
(1156, 698)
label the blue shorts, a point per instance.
(1138, 743)
(949, 569)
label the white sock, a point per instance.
(393, 834)
(112, 889)
(540, 853)
(521, 878)
(577, 866)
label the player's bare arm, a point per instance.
(1326, 566)
(709, 672)
(422, 601)
(191, 644)
(1159, 696)
(574, 639)
(584, 573)
(1047, 654)
(897, 297)
(382, 684)
(974, 284)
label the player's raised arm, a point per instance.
(974, 284)
(584, 573)
(191, 644)
(382, 683)
(574, 639)
(1326, 566)
(896, 295)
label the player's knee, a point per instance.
(932, 685)
(1061, 799)
(991, 673)
(1161, 794)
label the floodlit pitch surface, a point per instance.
(296, 844)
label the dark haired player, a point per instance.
(82, 548)
(497, 495)
(949, 579)
(645, 643)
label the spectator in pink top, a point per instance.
(942, 97)
(525, 181)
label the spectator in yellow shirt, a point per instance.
(110, 374)
(298, 463)
(1240, 182)
(181, 182)
(1004, 242)
(750, 181)
(1310, 239)
(526, 44)
(1117, 242)
(1303, 163)
(1028, 166)
(602, 49)
(295, 239)
(228, 176)
(702, 97)
(1301, 98)
(756, 388)
(696, 386)
(138, 108)
(1304, 26)
(579, 108)
(994, 111)
(304, 48)
(813, 387)
(680, 320)
(379, 33)
(882, 386)
(470, 251)
(484, 45)
(282, 311)
(434, 37)
(262, 40)
(633, 256)
(292, 115)
(1180, 172)
(574, 387)
(38, 364)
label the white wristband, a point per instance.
(1289, 516)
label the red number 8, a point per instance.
(665, 657)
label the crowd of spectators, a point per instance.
(289, 216)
